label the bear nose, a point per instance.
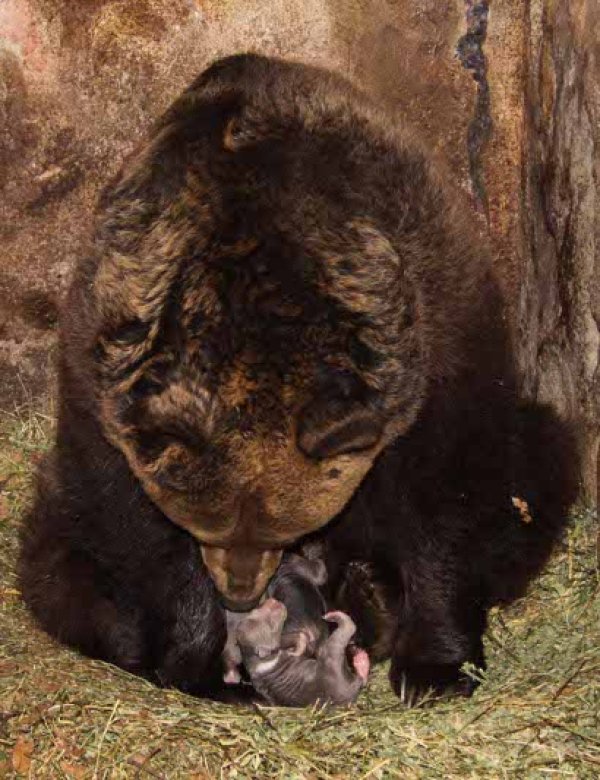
(239, 606)
(240, 574)
(242, 593)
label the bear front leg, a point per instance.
(440, 629)
(188, 650)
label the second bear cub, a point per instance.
(285, 644)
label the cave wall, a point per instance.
(507, 91)
(559, 297)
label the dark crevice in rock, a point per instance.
(469, 50)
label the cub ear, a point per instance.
(314, 571)
(336, 426)
(317, 572)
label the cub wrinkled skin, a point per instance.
(286, 647)
(286, 322)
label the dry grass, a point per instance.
(536, 715)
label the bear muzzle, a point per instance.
(240, 574)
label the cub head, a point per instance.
(259, 633)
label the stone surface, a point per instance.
(559, 303)
(506, 91)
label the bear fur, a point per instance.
(286, 325)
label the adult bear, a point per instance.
(285, 317)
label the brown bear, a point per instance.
(286, 322)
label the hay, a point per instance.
(536, 715)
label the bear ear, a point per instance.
(238, 134)
(335, 427)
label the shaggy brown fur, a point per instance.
(286, 318)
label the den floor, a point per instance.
(537, 713)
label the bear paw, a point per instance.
(412, 682)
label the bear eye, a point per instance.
(336, 428)
(152, 444)
(154, 441)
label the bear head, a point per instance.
(257, 340)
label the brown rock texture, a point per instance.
(507, 91)
(559, 299)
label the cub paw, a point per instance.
(361, 663)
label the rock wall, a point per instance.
(507, 91)
(559, 298)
